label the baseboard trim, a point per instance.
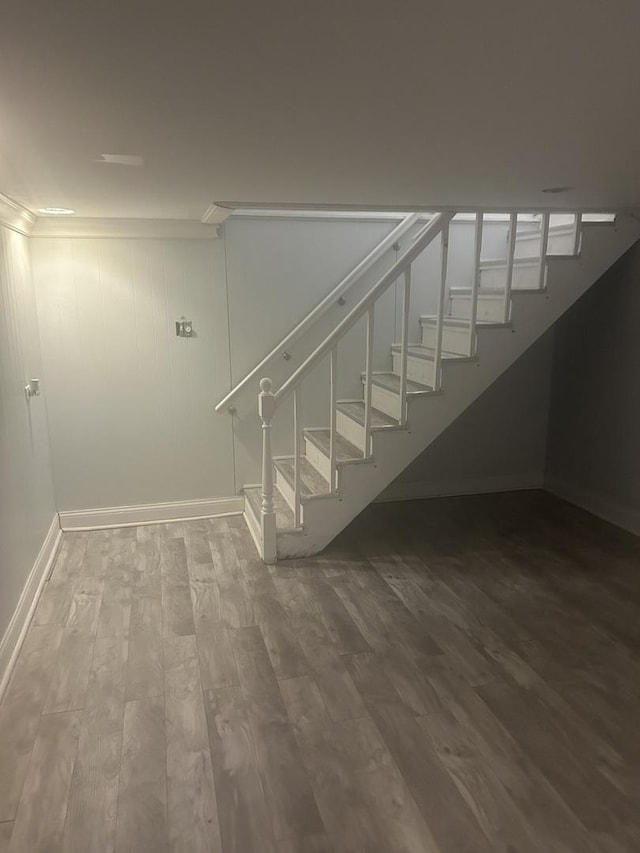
(597, 504)
(420, 489)
(13, 638)
(135, 516)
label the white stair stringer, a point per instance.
(463, 380)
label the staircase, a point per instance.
(338, 467)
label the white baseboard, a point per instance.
(412, 491)
(16, 631)
(597, 504)
(134, 516)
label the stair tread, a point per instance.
(355, 410)
(427, 353)
(345, 451)
(493, 292)
(430, 319)
(284, 513)
(391, 382)
(498, 263)
(311, 480)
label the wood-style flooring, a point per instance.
(451, 676)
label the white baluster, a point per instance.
(477, 252)
(511, 253)
(544, 241)
(266, 410)
(333, 391)
(367, 381)
(296, 456)
(577, 235)
(437, 359)
(406, 302)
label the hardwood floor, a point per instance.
(451, 676)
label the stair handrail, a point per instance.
(432, 230)
(323, 306)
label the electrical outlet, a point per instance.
(184, 328)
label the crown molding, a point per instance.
(128, 229)
(215, 215)
(13, 215)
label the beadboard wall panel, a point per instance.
(131, 404)
(26, 490)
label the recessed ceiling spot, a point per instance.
(556, 190)
(56, 211)
(121, 159)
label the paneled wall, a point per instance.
(26, 491)
(130, 409)
(131, 405)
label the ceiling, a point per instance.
(394, 104)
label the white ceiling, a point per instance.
(395, 103)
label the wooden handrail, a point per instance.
(433, 229)
(322, 307)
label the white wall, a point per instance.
(130, 404)
(594, 429)
(26, 491)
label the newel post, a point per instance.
(266, 409)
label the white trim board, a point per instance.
(13, 215)
(420, 489)
(597, 504)
(135, 516)
(127, 229)
(13, 638)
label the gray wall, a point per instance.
(26, 492)
(497, 444)
(594, 429)
(131, 406)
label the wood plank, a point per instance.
(245, 823)
(142, 798)
(20, 711)
(93, 797)
(291, 803)
(71, 672)
(6, 828)
(215, 650)
(39, 823)
(192, 811)
(177, 615)
(145, 676)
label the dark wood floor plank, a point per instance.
(245, 822)
(291, 802)
(447, 815)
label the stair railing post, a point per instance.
(577, 234)
(371, 316)
(404, 345)
(544, 242)
(477, 255)
(333, 392)
(266, 410)
(437, 358)
(296, 456)
(511, 253)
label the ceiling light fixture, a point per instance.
(56, 211)
(556, 190)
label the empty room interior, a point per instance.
(319, 427)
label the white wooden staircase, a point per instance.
(337, 467)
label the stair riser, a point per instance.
(559, 244)
(350, 430)
(285, 490)
(489, 308)
(317, 458)
(385, 401)
(454, 339)
(418, 369)
(523, 277)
